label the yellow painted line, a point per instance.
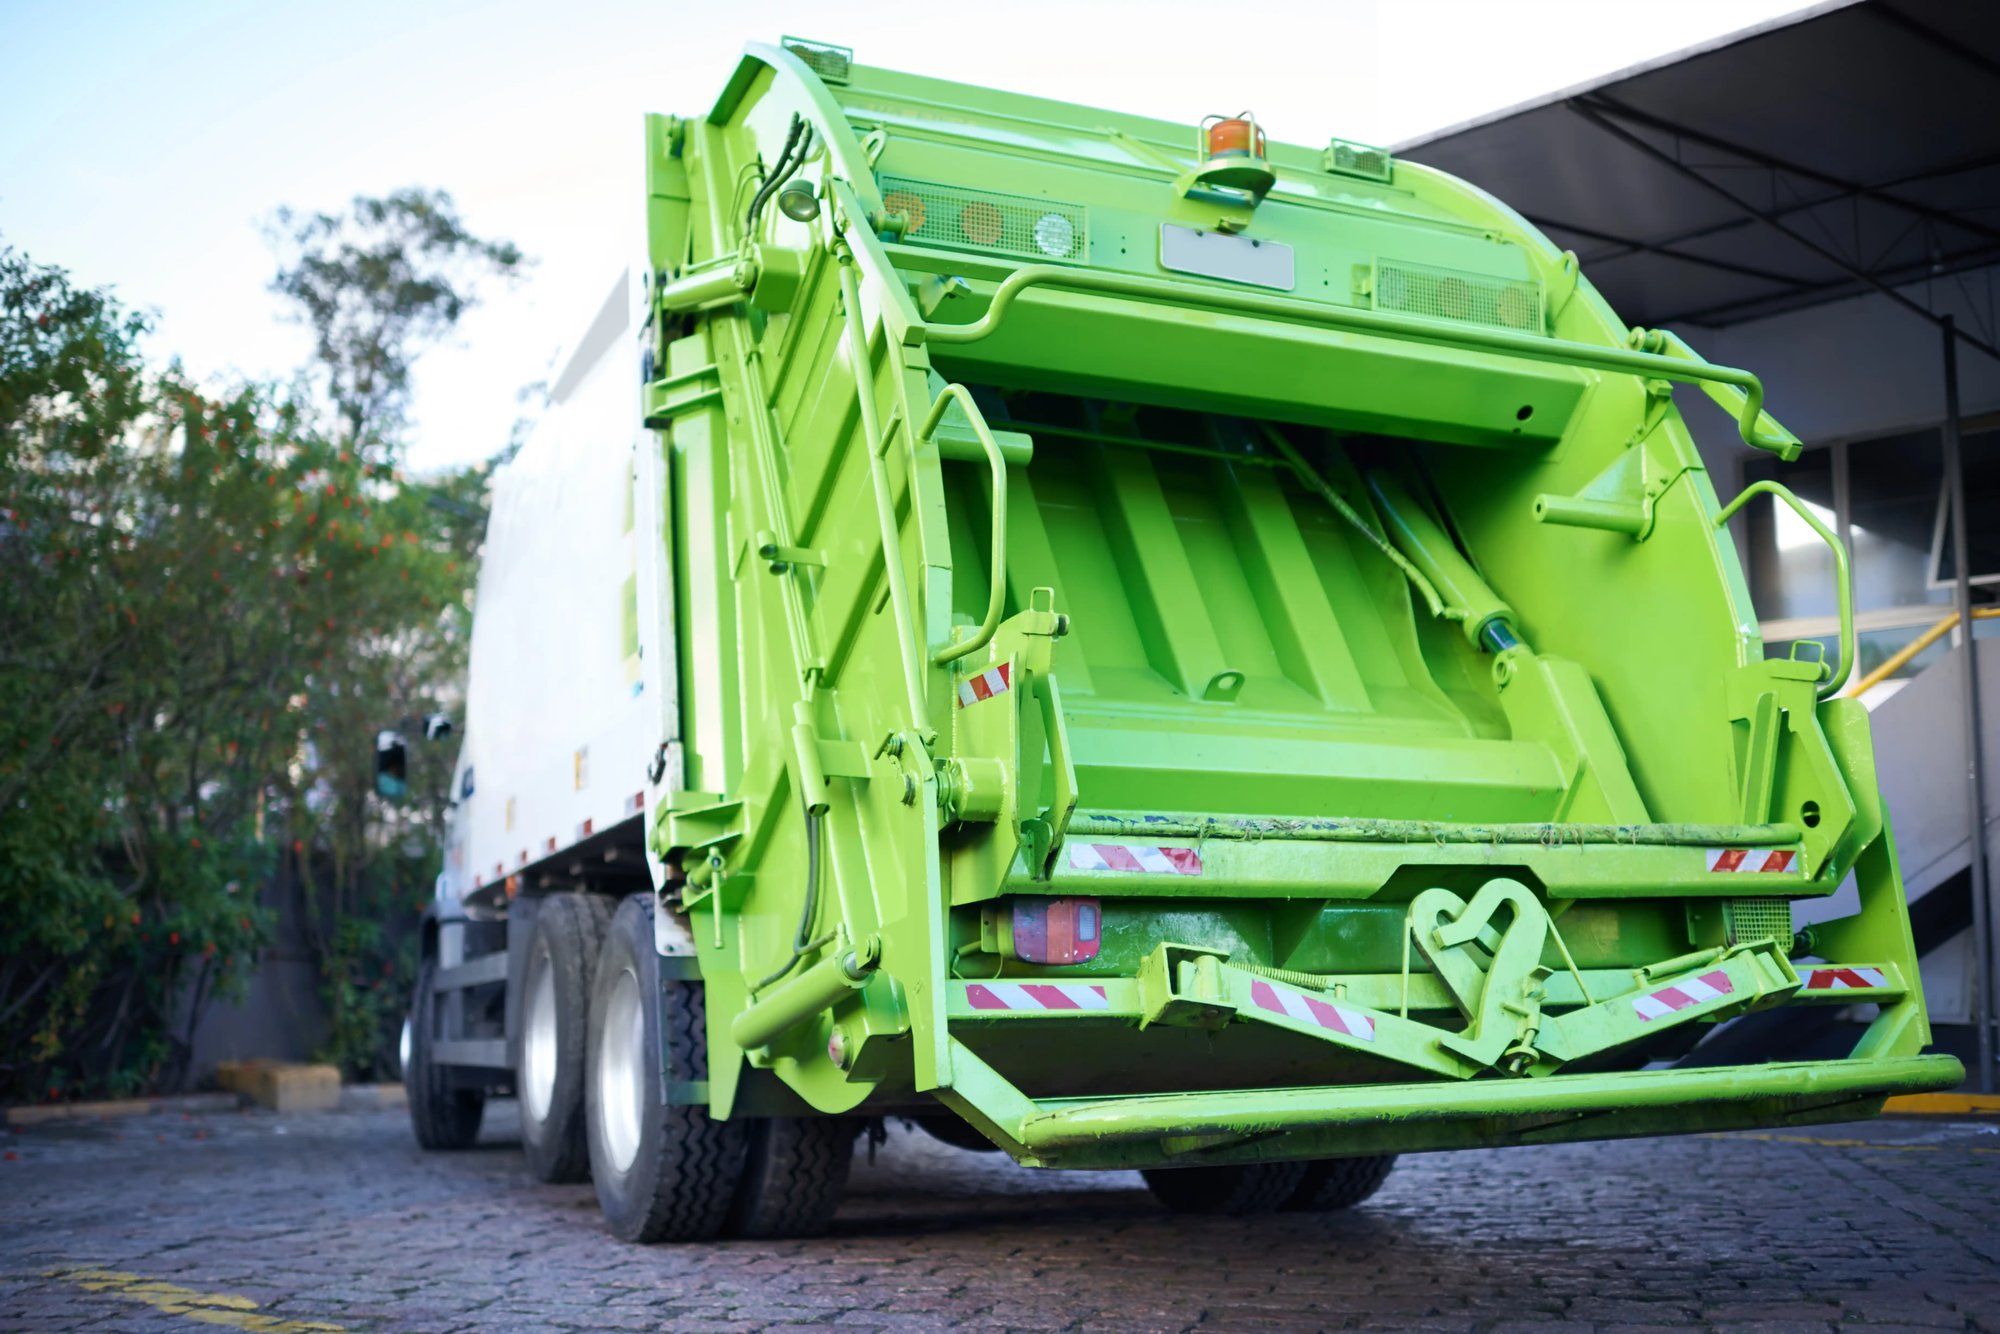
(210, 1308)
(1827, 1143)
(1944, 1104)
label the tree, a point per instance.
(167, 579)
(377, 285)
(212, 601)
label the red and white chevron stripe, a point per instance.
(1134, 857)
(993, 681)
(1035, 996)
(1680, 995)
(1312, 1010)
(1843, 979)
(1754, 860)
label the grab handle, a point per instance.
(996, 597)
(1843, 577)
(1738, 390)
(1738, 393)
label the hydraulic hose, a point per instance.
(801, 946)
(790, 158)
(1310, 476)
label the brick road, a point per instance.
(335, 1221)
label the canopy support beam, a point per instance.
(1596, 116)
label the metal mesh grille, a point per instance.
(949, 215)
(825, 59)
(1352, 159)
(1758, 919)
(1469, 298)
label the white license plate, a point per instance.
(1235, 259)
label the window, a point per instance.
(1980, 453)
(1888, 497)
(1791, 569)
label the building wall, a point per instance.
(1852, 368)
(282, 1015)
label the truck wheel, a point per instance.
(555, 1020)
(1247, 1188)
(444, 1117)
(1337, 1183)
(663, 1172)
(793, 1177)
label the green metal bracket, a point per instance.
(1502, 1000)
(1043, 836)
(782, 558)
(1618, 500)
(1713, 984)
(698, 821)
(675, 395)
(1182, 986)
(934, 292)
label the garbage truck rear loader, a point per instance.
(1148, 646)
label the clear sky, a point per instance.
(143, 145)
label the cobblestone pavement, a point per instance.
(336, 1222)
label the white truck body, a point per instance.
(571, 694)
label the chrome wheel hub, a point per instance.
(621, 1066)
(538, 1039)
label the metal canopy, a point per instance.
(1853, 147)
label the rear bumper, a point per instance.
(1244, 1126)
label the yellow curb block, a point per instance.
(39, 1114)
(282, 1087)
(1943, 1104)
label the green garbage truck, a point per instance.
(1140, 645)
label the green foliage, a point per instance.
(376, 285)
(212, 605)
(122, 855)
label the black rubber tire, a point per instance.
(683, 1178)
(950, 1128)
(1236, 1190)
(569, 931)
(1340, 1183)
(442, 1116)
(793, 1176)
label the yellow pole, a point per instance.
(1901, 657)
